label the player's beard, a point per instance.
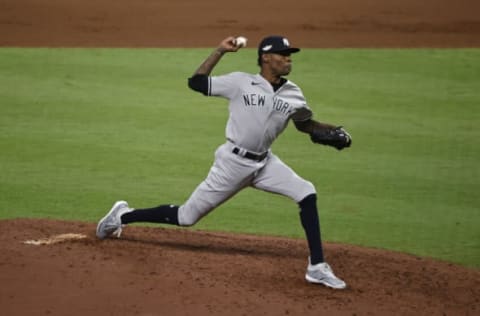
(278, 68)
(287, 69)
(283, 69)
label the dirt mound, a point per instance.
(157, 271)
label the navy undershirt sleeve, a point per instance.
(199, 83)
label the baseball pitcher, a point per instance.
(260, 107)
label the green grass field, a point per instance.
(81, 128)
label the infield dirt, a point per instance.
(187, 23)
(156, 271)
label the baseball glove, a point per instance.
(336, 137)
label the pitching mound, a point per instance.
(60, 268)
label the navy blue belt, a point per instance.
(249, 155)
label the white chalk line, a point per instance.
(55, 239)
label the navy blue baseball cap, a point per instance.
(276, 44)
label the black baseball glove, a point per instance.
(336, 137)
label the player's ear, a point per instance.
(265, 58)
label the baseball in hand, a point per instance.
(241, 41)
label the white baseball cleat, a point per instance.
(321, 273)
(111, 224)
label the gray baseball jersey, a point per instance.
(258, 114)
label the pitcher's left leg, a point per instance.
(277, 177)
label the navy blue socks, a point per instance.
(311, 225)
(164, 214)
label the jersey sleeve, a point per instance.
(224, 86)
(302, 111)
(302, 114)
